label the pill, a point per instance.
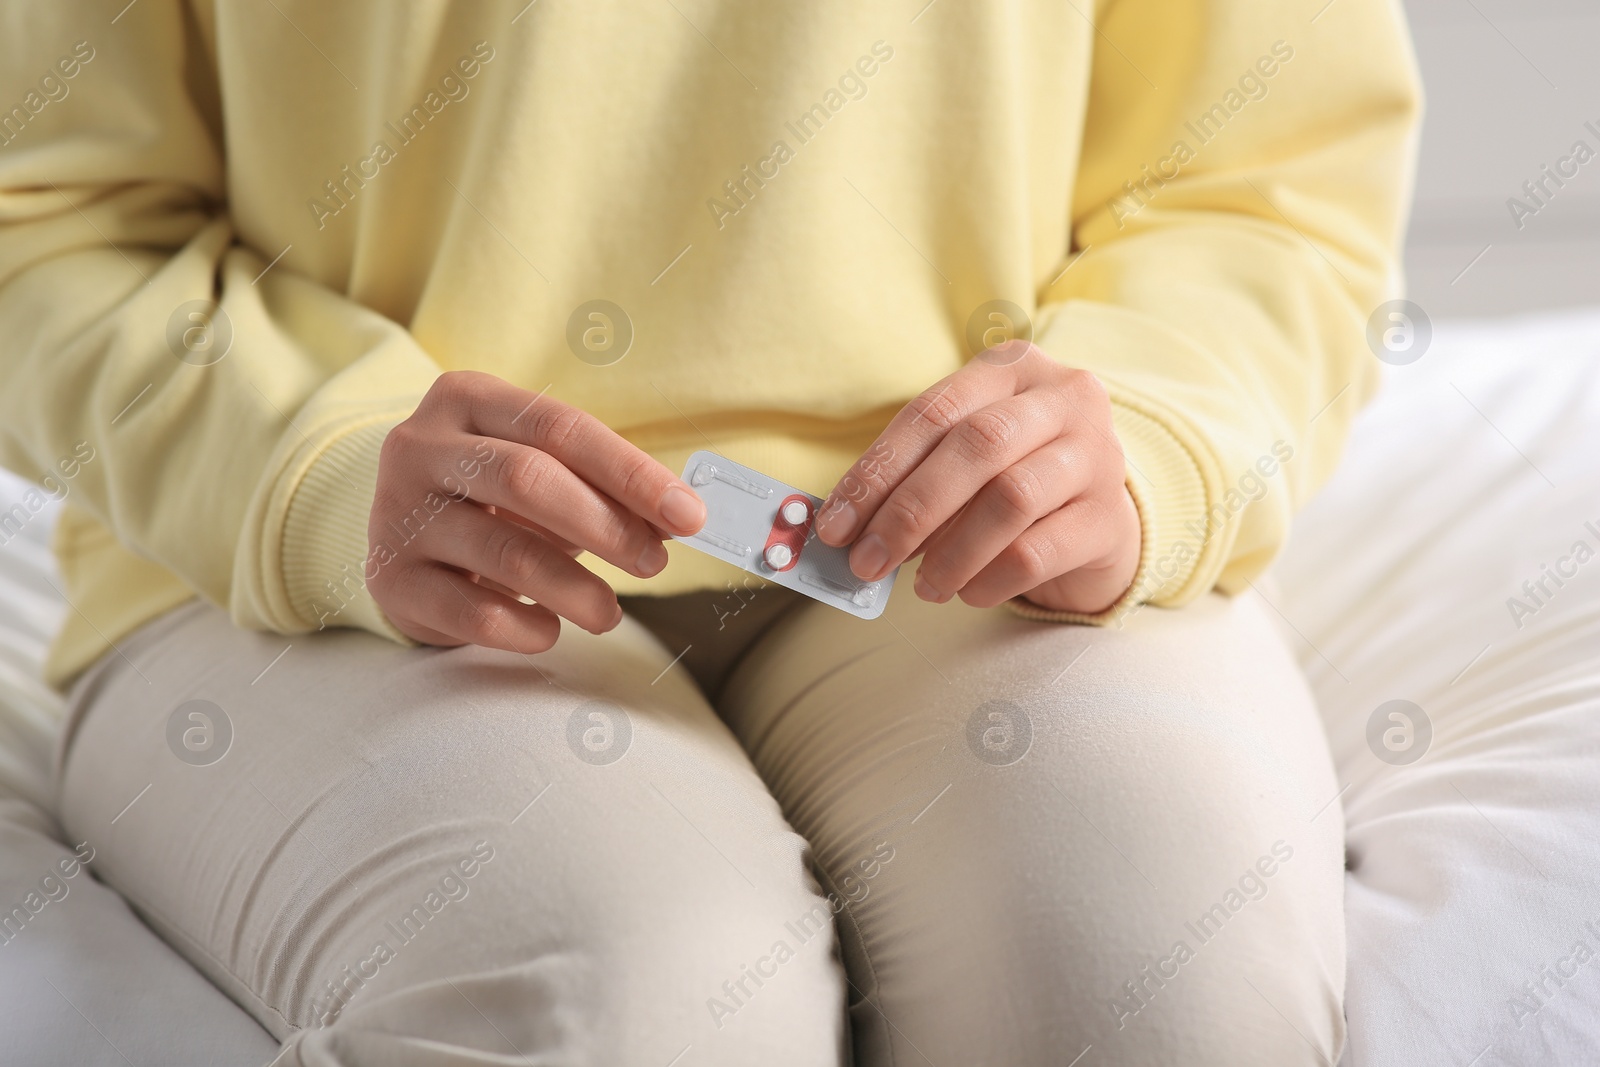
(778, 556)
(795, 513)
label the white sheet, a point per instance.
(1475, 867)
(84, 981)
(31, 609)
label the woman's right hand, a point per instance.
(488, 491)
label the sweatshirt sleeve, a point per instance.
(1239, 206)
(232, 406)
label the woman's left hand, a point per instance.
(1008, 477)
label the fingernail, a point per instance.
(652, 559)
(616, 621)
(681, 508)
(838, 522)
(927, 591)
(869, 557)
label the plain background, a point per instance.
(1510, 84)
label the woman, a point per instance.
(392, 327)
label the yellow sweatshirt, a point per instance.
(239, 239)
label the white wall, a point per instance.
(1510, 84)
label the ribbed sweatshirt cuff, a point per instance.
(324, 549)
(1169, 491)
(1167, 471)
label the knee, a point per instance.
(624, 962)
(769, 988)
(611, 890)
(1117, 868)
(736, 953)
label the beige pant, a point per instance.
(950, 836)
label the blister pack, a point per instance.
(763, 526)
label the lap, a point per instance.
(1020, 823)
(1016, 825)
(401, 851)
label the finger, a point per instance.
(934, 537)
(539, 488)
(1058, 544)
(913, 433)
(1009, 504)
(974, 451)
(560, 542)
(424, 634)
(519, 559)
(919, 426)
(490, 583)
(446, 605)
(592, 450)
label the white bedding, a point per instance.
(31, 608)
(1473, 868)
